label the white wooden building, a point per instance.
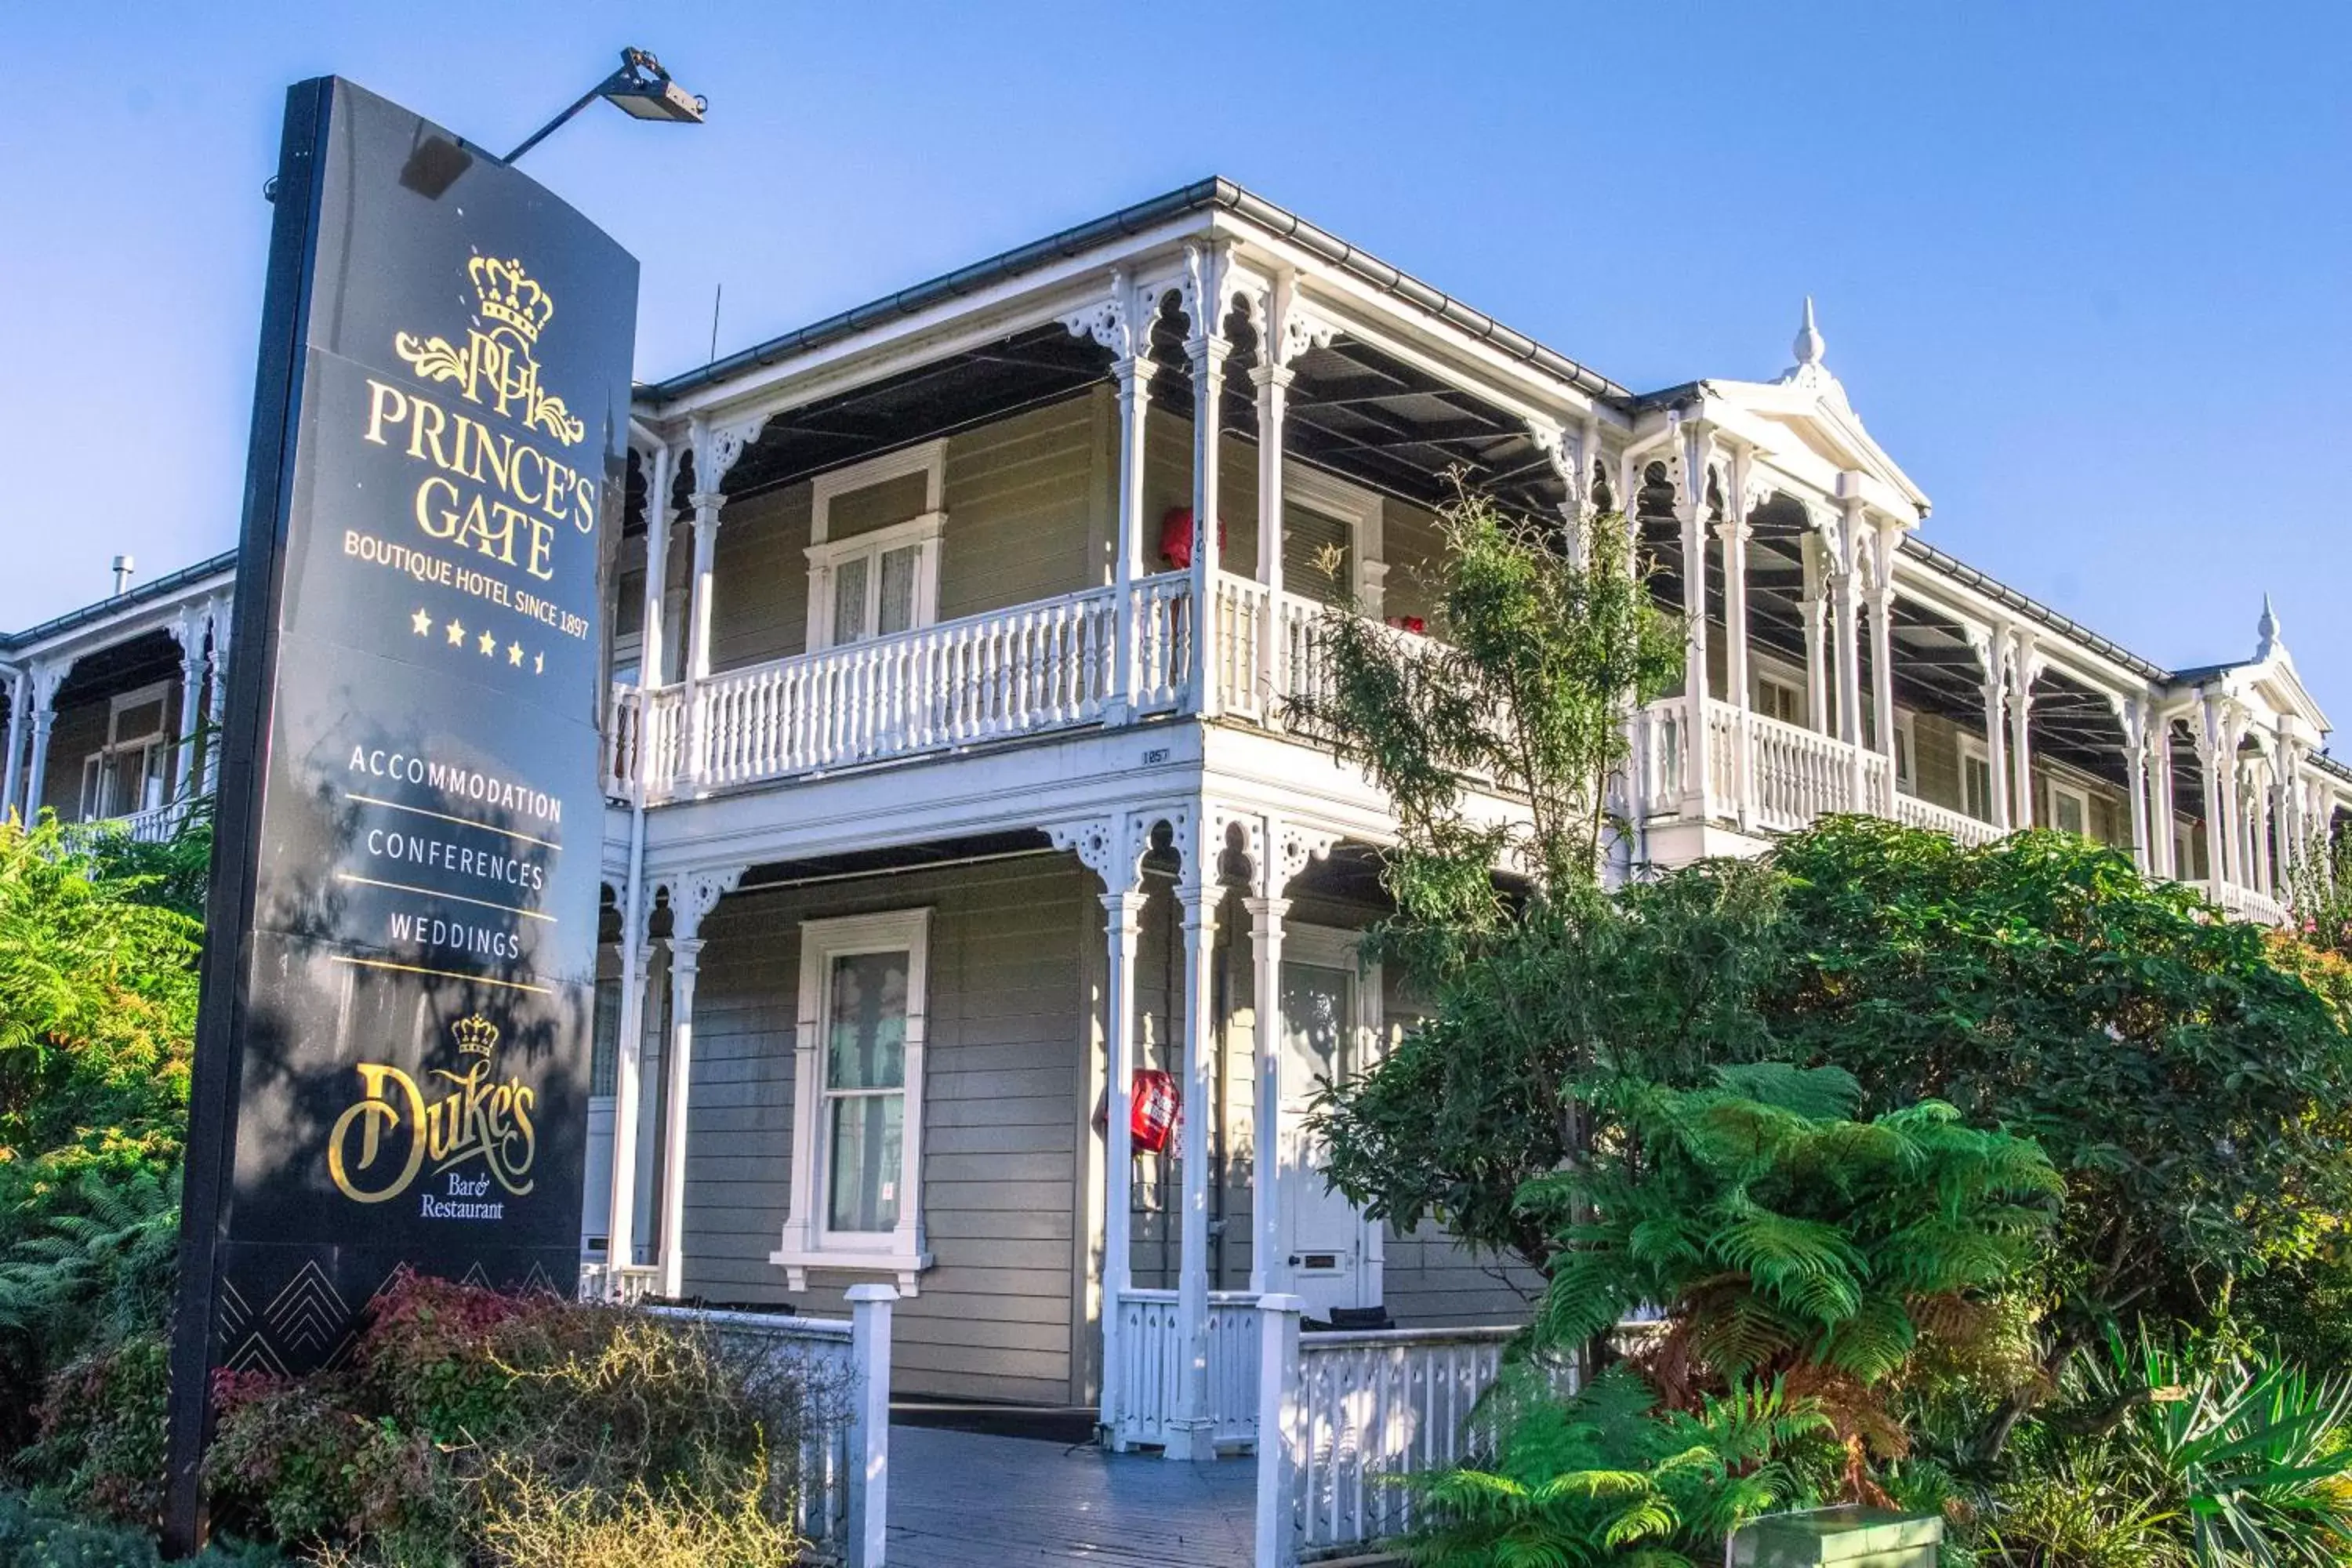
(950, 790)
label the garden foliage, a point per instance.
(470, 1423)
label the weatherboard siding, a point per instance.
(1004, 1065)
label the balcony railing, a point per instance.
(155, 825)
(1057, 665)
(1052, 664)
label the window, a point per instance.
(132, 771)
(1780, 699)
(1331, 540)
(874, 549)
(857, 1100)
(604, 1050)
(1906, 749)
(2070, 810)
(1976, 781)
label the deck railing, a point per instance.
(1154, 1358)
(2246, 903)
(1045, 666)
(843, 1367)
(155, 825)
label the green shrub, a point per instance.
(34, 1535)
(462, 1411)
(1604, 1477)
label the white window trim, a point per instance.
(1359, 510)
(1775, 676)
(928, 459)
(807, 1241)
(824, 558)
(2064, 788)
(1906, 778)
(1974, 750)
(158, 693)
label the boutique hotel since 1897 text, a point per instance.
(949, 790)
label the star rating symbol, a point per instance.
(489, 644)
(514, 654)
(538, 664)
(420, 623)
(456, 635)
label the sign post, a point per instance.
(392, 1051)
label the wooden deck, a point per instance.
(959, 1499)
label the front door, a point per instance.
(1323, 1032)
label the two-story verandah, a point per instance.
(945, 808)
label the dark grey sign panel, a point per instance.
(391, 1064)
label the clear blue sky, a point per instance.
(2082, 266)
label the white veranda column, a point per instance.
(1882, 658)
(2023, 668)
(1122, 920)
(628, 1072)
(1134, 375)
(1815, 609)
(2133, 713)
(691, 901)
(698, 647)
(1735, 534)
(1697, 747)
(1992, 656)
(637, 954)
(1269, 1268)
(2161, 860)
(2209, 764)
(1190, 1434)
(1206, 351)
(188, 631)
(217, 695)
(46, 682)
(1273, 381)
(684, 964)
(1845, 582)
(20, 687)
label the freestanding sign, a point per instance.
(392, 1057)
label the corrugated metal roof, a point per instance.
(1203, 195)
(142, 593)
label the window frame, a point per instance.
(1907, 752)
(825, 561)
(153, 747)
(825, 553)
(1359, 510)
(809, 1240)
(2066, 789)
(1975, 751)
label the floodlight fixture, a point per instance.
(641, 89)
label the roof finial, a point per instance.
(1809, 346)
(2267, 628)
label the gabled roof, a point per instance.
(146, 593)
(2269, 678)
(1804, 418)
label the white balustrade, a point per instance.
(1154, 1358)
(155, 825)
(843, 1450)
(2246, 903)
(1368, 1409)
(1044, 666)
(1799, 774)
(1914, 812)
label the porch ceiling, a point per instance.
(1353, 410)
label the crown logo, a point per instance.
(511, 296)
(477, 1036)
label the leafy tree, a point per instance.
(1539, 655)
(1494, 1090)
(1604, 1477)
(97, 1000)
(2192, 1086)
(1783, 1238)
(173, 873)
